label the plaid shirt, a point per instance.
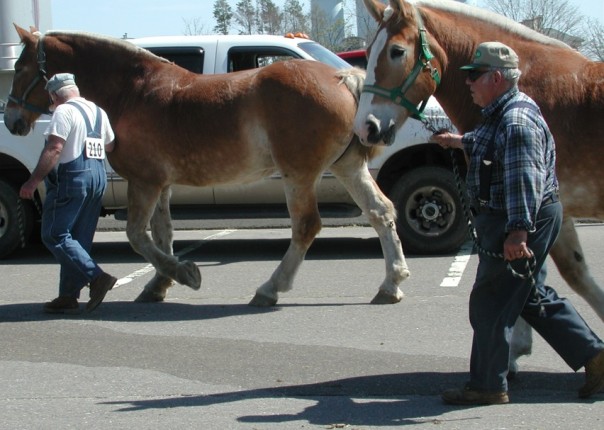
(523, 172)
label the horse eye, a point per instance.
(397, 52)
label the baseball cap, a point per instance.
(493, 54)
(60, 80)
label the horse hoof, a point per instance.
(150, 297)
(189, 275)
(383, 298)
(262, 301)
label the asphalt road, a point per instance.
(322, 358)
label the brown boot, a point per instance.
(98, 289)
(594, 376)
(62, 305)
(472, 397)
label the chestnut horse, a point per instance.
(173, 126)
(418, 50)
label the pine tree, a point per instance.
(223, 15)
(294, 18)
(245, 16)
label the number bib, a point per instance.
(95, 148)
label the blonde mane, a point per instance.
(110, 41)
(492, 18)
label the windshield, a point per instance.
(324, 55)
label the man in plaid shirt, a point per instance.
(513, 188)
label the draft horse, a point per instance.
(173, 126)
(418, 50)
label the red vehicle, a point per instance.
(357, 58)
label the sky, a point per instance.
(139, 18)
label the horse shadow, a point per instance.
(217, 252)
(369, 400)
(129, 311)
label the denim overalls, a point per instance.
(71, 211)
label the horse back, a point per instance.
(291, 116)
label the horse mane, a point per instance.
(120, 44)
(354, 79)
(492, 18)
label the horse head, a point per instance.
(28, 99)
(402, 72)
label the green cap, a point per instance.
(493, 54)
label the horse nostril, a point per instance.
(389, 134)
(373, 130)
(19, 127)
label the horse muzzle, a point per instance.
(379, 133)
(15, 123)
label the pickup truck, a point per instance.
(414, 174)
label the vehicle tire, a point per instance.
(430, 213)
(13, 233)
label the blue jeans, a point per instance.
(69, 219)
(498, 299)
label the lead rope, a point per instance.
(531, 262)
(20, 222)
(20, 216)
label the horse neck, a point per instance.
(103, 72)
(458, 34)
(454, 48)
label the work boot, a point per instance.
(98, 289)
(594, 376)
(472, 397)
(62, 305)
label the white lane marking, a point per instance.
(149, 267)
(458, 266)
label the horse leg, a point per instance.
(522, 344)
(161, 231)
(570, 260)
(141, 204)
(306, 224)
(351, 170)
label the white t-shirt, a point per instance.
(67, 123)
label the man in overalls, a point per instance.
(514, 194)
(72, 167)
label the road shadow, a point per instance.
(121, 311)
(371, 400)
(218, 251)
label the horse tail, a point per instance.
(354, 79)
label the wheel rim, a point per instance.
(430, 211)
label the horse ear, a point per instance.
(375, 9)
(402, 8)
(25, 35)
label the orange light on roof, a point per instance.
(298, 35)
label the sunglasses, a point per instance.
(474, 75)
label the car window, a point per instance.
(324, 55)
(251, 57)
(186, 57)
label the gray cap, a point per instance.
(59, 81)
(493, 54)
